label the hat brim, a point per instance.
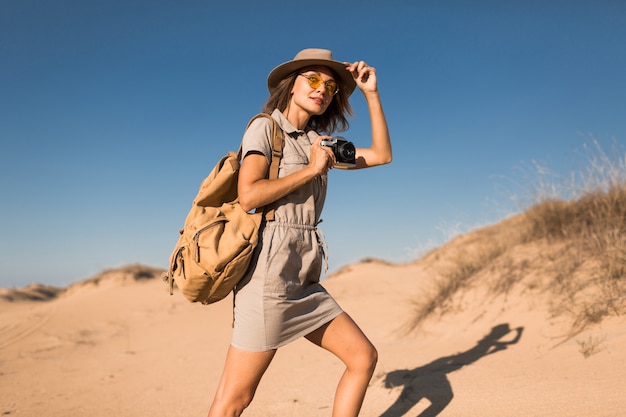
(347, 84)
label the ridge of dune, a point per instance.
(124, 275)
(31, 292)
(112, 276)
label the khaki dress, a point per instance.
(280, 299)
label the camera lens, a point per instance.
(346, 151)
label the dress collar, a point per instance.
(286, 124)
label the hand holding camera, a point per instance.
(344, 151)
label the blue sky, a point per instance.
(112, 112)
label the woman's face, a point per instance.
(309, 93)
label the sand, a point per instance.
(125, 347)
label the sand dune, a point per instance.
(119, 344)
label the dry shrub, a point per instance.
(590, 346)
(585, 231)
(593, 228)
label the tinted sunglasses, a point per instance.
(315, 81)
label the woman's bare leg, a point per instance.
(344, 339)
(241, 376)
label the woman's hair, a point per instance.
(334, 119)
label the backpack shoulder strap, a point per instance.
(278, 141)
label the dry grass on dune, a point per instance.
(571, 251)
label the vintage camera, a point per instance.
(345, 152)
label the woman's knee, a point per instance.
(364, 360)
(372, 358)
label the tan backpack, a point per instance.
(218, 238)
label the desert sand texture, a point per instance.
(119, 345)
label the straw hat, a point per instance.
(311, 57)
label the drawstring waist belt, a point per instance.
(321, 239)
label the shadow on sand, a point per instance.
(430, 381)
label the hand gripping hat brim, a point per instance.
(312, 57)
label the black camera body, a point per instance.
(344, 151)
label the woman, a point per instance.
(280, 299)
